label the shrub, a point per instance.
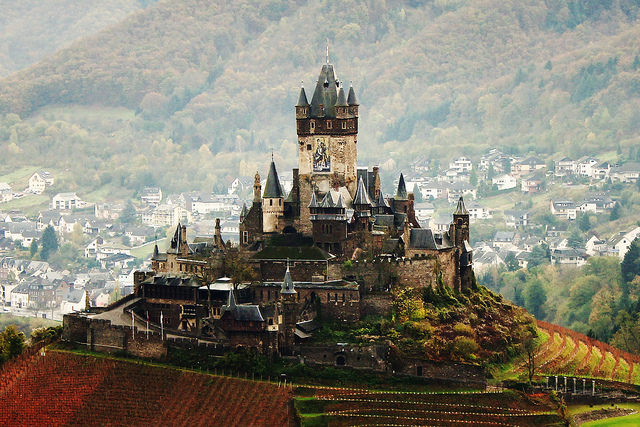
(465, 347)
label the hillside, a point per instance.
(214, 84)
(71, 390)
(31, 29)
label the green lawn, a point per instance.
(625, 421)
(23, 173)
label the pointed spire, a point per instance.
(302, 99)
(156, 253)
(314, 202)
(401, 194)
(339, 203)
(273, 189)
(461, 209)
(244, 211)
(231, 300)
(327, 202)
(342, 100)
(287, 283)
(351, 99)
(175, 241)
(382, 202)
(362, 195)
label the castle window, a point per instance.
(270, 202)
(344, 125)
(309, 147)
(280, 202)
(329, 125)
(245, 237)
(312, 125)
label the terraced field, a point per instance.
(60, 389)
(339, 407)
(569, 353)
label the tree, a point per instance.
(33, 249)
(11, 343)
(615, 212)
(49, 242)
(511, 262)
(630, 266)
(584, 222)
(575, 239)
(535, 297)
(417, 194)
(540, 254)
(128, 214)
(473, 178)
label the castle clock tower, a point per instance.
(327, 138)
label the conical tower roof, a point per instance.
(362, 195)
(313, 203)
(287, 284)
(156, 253)
(352, 96)
(244, 210)
(340, 203)
(302, 99)
(382, 202)
(273, 189)
(461, 209)
(401, 194)
(342, 99)
(325, 95)
(327, 202)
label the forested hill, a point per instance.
(436, 78)
(32, 29)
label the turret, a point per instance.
(272, 201)
(459, 229)
(289, 312)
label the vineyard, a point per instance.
(339, 407)
(59, 389)
(569, 353)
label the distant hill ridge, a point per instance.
(433, 78)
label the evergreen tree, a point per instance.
(49, 242)
(33, 249)
(128, 214)
(615, 212)
(584, 222)
(11, 343)
(630, 266)
(473, 178)
(417, 194)
(535, 297)
(511, 262)
(548, 66)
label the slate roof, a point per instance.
(325, 95)
(401, 194)
(422, 238)
(302, 99)
(362, 195)
(460, 209)
(242, 313)
(273, 189)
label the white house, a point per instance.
(151, 196)
(504, 182)
(165, 215)
(629, 172)
(619, 244)
(6, 193)
(461, 164)
(39, 181)
(477, 211)
(66, 201)
(564, 209)
(596, 246)
(74, 300)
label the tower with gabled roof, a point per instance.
(327, 130)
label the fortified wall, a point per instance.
(101, 336)
(381, 274)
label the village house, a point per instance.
(66, 201)
(504, 182)
(526, 166)
(164, 215)
(619, 244)
(516, 218)
(6, 193)
(39, 181)
(565, 209)
(151, 196)
(628, 173)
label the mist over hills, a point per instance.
(190, 93)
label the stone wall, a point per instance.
(376, 304)
(453, 372)
(383, 273)
(365, 357)
(103, 337)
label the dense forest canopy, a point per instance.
(188, 94)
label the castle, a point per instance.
(332, 248)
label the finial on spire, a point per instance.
(327, 51)
(271, 154)
(302, 83)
